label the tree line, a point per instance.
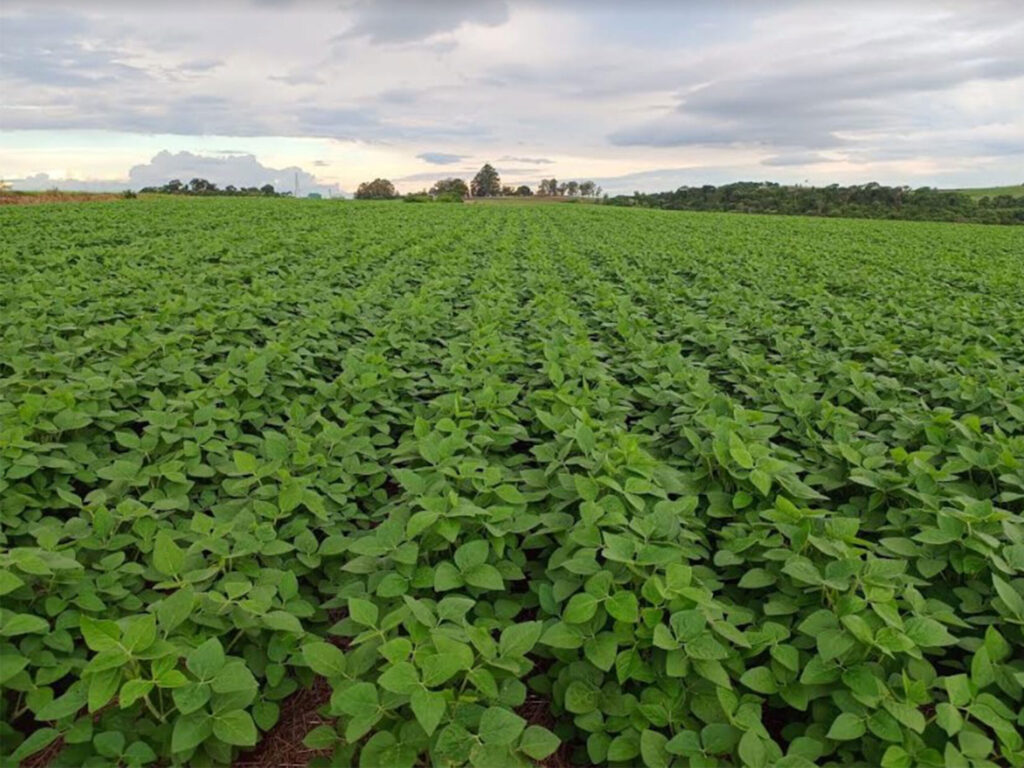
(486, 183)
(873, 201)
(204, 187)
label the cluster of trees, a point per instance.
(378, 189)
(872, 200)
(204, 187)
(486, 183)
(554, 188)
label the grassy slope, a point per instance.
(1017, 190)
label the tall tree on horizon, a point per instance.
(486, 183)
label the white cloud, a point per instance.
(222, 168)
(241, 170)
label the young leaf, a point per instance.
(205, 661)
(500, 726)
(429, 709)
(538, 742)
(324, 659)
(235, 728)
(846, 727)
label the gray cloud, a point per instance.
(299, 77)
(201, 65)
(796, 158)
(462, 173)
(440, 158)
(807, 100)
(527, 160)
(61, 50)
(399, 96)
(197, 114)
(338, 122)
(400, 21)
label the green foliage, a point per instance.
(997, 205)
(449, 197)
(700, 490)
(449, 190)
(442, 197)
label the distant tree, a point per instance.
(450, 187)
(598, 190)
(198, 186)
(572, 188)
(173, 186)
(378, 189)
(486, 183)
(507, 190)
(523, 191)
(231, 189)
(561, 189)
(548, 187)
(267, 189)
(587, 188)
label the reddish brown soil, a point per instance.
(45, 756)
(281, 746)
(34, 198)
(537, 711)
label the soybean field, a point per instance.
(508, 485)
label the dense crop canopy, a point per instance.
(639, 487)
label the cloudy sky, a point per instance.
(640, 95)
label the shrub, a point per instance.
(449, 197)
